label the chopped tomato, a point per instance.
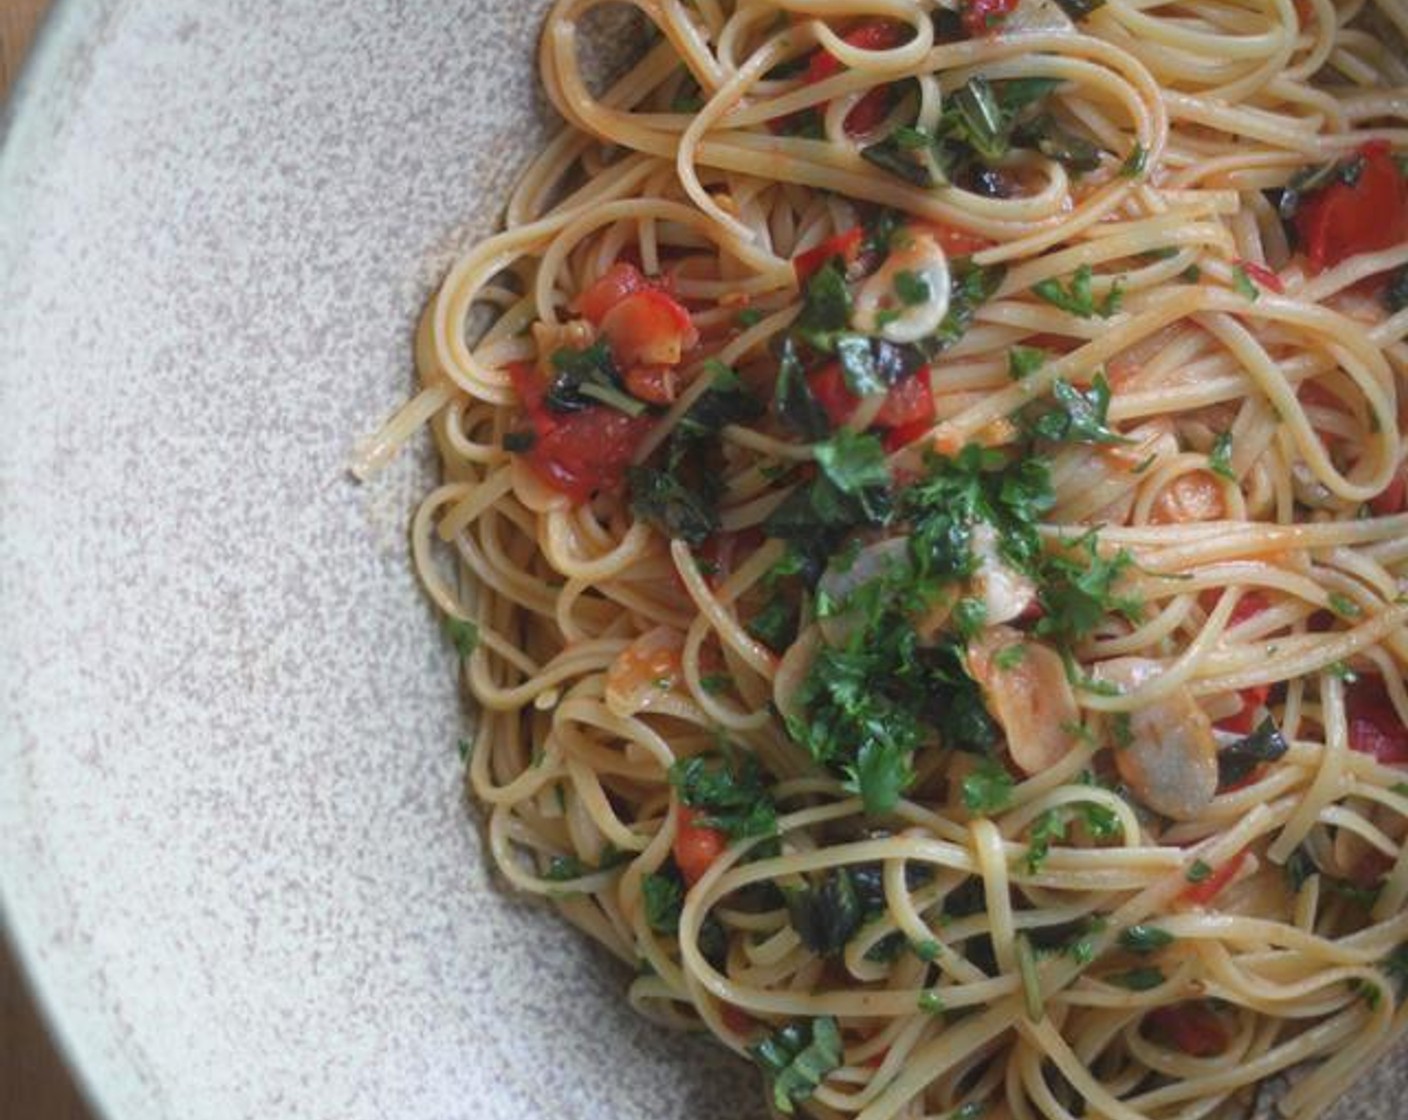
(983, 16)
(1262, 275)
(867, 113)
(906, 414)
(580, 453)
(642, 663)
(736, 1019)
(909, 402)
(954, 241)
(1374, 725)
(1201, 893)
(653, 384)
(1393, 498)
(1315, 395)
(610, 288)
(1248, 606)
(829, 387)
(1193, 1028)
(1344, 219)
(1254, 698)
(648, 328)
(872, 35)
(695, 847)
(845, 245)
(1195, 496)
(576, 453)
(1370, 868)
(900, 437)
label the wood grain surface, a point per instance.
(34, 1085)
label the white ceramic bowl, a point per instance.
(234, 856)
(236, 862)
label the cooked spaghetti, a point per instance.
(923, 524)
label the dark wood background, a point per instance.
(34, 1085)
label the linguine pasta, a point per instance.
(923, 522)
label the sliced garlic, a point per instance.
(879, 308)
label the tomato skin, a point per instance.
(1200, 894)
(648, 328)
(610, 288)
(955, 242)
(1195, 496)
(1341, 220)
(981, 17)
(1254, 698)
(829, 387)
(1263, 276)
(872, 35)
(652, 384)
(695, 847)
(576, 453)
(1193, 1028)
(1374, 726)
(1393, 498)
(909, 402)
(906, 414)
(845, 245)
(1244, 722)
(580, 453)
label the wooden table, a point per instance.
(34, 1085)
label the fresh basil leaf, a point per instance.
(677, 511)
(794, 402)
(826, 308)
(857, 361)
(1237, 760)
(797, 1058)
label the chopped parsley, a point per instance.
(1145, 939)
(663, 896)
(1243, 285)
(1079, 416)
(987, 789)
(1220, 457)
(463, 635)
(1135, 163)
(1054, 824)
(1137, 979)
(1080, 588)
(912, 288)
(1344, 606)
(731, 789)
(1078, 297)
(826, 308)
(1023, 361)
(1198, 870)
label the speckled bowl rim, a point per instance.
(36, 98)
